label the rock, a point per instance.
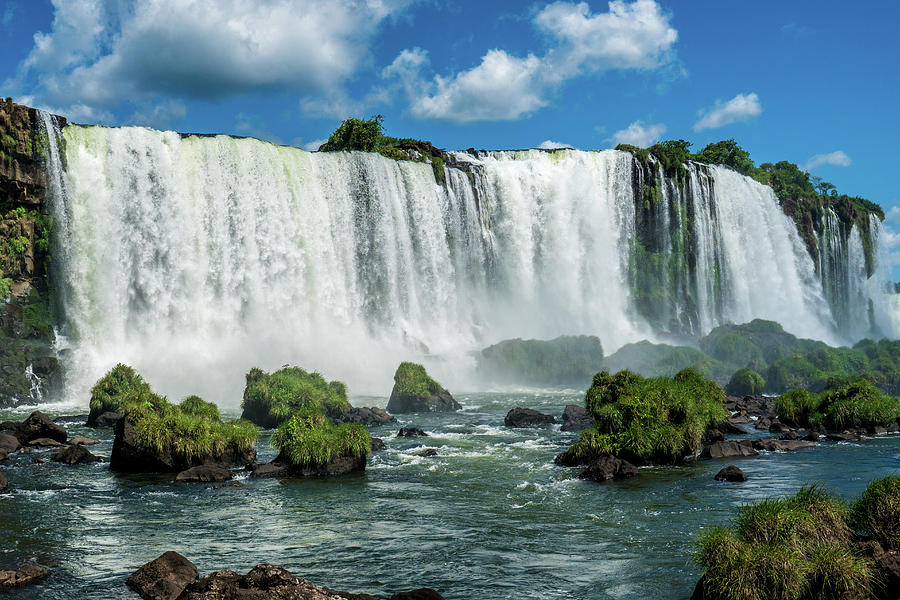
(729, 428)
(9, 426)
(38, 425)
(3, 454)
(44, 443)
(712, 436)
(427, 452)
(730, 449)
(411, 432)
(73, 455)
(781, 445)
(164, 578)
(280, 467)
(887, 566)
(414, 391)
(419, 594)
(368, 416)
(107, 419)
(527, 417)
(845, 436)
(740, 418)
(205, 474)
(4, 484)
(9, 443)
(576, 418)
(378, 444)
(810, 436)
(27, 575)
(763, 423)
(73, 419)
(83, 441)
(270, 470)
(790, 435)
(730, 473)
(778, 427)
(608, 467)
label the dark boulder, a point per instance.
(729, 449)
(778, 427)
(38, 425)
(763, 423)
(9, 443)
(106, 419)
(378, 444)
(790, 435)
(729, 428)
(810, 436)
(45, 443)
(771, 445)
(270, 470)
(84, 441)
(844, 436)
(576, 418)
(415, 391)
(24, 576)
(887, 566)
(712, 436)
(427, 452)
(419, 594)
(4, 484)
(731, 473)
(527, 417)
(9, 425)
(3, 454)
(73, 455)
(280, 467)
(608, 467)
(204, 474)
(368, 416)
(164, 578)
(411, 432)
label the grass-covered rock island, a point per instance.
(415, 391)
(271, 398)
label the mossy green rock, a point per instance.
(745, 382)
(311, 445)
(415, 391)
(111, 391)
(271, 398)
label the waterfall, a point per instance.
(195, 258)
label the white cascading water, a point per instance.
(194, 259)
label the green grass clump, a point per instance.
(877, 511)
(799, 547)
(165, 428)
(859, 404)
(310, 439)
(745, 382)
(648, 420)
(411, 379)
(271, 398)
(560, 361)
(197, 406)
(110, 391)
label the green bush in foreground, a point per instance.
(271, 398)
(799, 547)
(165, 428)
(877, 512)
(197, 406)
(109, 391)
(648, 420)
(745, 382)
(309, 439)
(859, 404)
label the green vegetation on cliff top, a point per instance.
(648, 420)
(310, 439)
(412, 380)
(566, 360)
(271, 398)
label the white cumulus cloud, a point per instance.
(635, 35)
(740, 108)
(551, 145)
(836, 158)
(639, 134)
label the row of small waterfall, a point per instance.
(194, 258)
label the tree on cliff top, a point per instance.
(355, 134)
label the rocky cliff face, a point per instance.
(28, 367)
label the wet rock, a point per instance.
(72, 419)
(378, 444)
(9, 425)
(781, 445)
(740, 418)
(608, 467)
(73, 455)
(712, 436)
(576, 418)
(107, 419)
(9, 443)
(845, 436)
(763, 424)
(270, 470)
(38, 425)
(527, 417)
(368, 416)
(887, 566)
(204, 474)
(44, 443)
(731, 473)
(4, 484)
(790, 435)
(810, 436)
(83, 441)
(729, 428)
(419, 594)
(778, 427)
(415, 391)
(280, 467)
(411, 432)
(27, 575)
(164, 578)
(729, 449)
(3, 454)
(427, 452)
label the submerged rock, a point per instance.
(576, 418)
(368, 416)
(45, 443)
(415, 391)
(24, 576)
(378, 444)
(73, 455)
(527, 417)
(730, 449)
(781, 445)
(731, 473)
(608, 467)
(164, 578)
(204, 474)
(37, 426)
(427, 452)
(83, 441)
(411, 432)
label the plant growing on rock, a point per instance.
(648, 420)
(310, 439)
(271, 398)
(859, 404)
(198, 407)
(110, 391)
(877, 511)
(745, 382)
(415, 391)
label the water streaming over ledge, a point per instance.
(194, 258)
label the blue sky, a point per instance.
(816, 83)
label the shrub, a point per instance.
(109, 392)
(859, 404)
(411, 379)
(745, 382)
(648, 420)
(197, 406)
(271, 398)
(355, 134)
(309, 439)
(877, 511)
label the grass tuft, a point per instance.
(309, 439)
(271, 398)
(877, 511)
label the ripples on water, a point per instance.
(489, 517)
